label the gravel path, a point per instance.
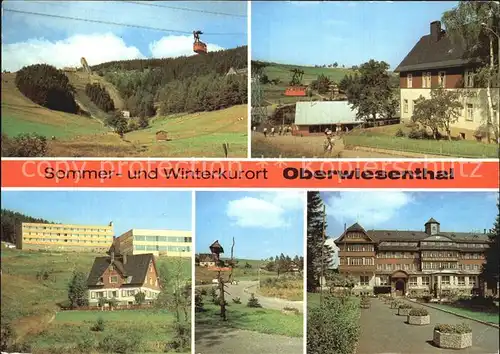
(211, 340)
(383, 331)
(244, 289)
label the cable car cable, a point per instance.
(185, 9)
(120, 24)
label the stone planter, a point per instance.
(453, 340)
(419, 320)
(403, 312)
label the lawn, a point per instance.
(481, 316)
(464, 148)
(30, 302)
(72, 329)
(253, 319)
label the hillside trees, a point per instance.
(10, 220)
(47, 86)
(142, 82)
(100, 96)
(372, 91)
(118, 122)
(318, 254)
(206, 93)
(321, 84)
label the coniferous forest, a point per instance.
(12, 219)
(142, 82)
(100, 97)
(48, 87)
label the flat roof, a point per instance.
(329, 112)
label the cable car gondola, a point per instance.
(198, 46)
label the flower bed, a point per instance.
(419, 317)
(453, 336)
(395, 304)
(364, 303)
(404, 309)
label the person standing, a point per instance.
(265, 132)
(272, 131)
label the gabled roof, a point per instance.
(355, 227)
(136, 267)
(216, 245)
(429, 54)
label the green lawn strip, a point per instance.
(153, 335)
(253, 319)
(481, 316)
(434, 147)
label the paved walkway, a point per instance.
(211, 340)
(384, 332)
(244, 289)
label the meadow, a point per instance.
(189, 135)
(31, 304)
(253, 319)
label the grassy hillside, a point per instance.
(28, 301)
(275, 93)
(21, 115)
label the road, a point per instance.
(244, 289)
(383, 331)
(211, 340)
(219, 340)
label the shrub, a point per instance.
(417, 133)
(98, 326)
(253, 302)
(405, 306)
(419, 312)
(112, 303)
(86, 344)
(203, 291)
(102, 301)
(198, 303)
(24, 145)
(334, 327)
(181, 343)
(140, 297)
(426, 298)
(291, 309)
(120, 343)
(400, 133)
(453, 328)
(237, 300)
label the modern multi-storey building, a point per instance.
(436, 61)
(65, 237)
(414, 263)
(171, 243)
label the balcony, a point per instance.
(357, 268)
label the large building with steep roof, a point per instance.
(415, 263)
(436, 61)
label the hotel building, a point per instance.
(413, 263)
(172, 243)
(65, 237)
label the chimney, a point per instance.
(435, 31)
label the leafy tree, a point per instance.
(253, 302)
(47, 86)
(318, 254)
(490, 271)
(77, 290)
(475, 26)
(24, 145)
(439, 111)
(322, 84)
(371, 91)
(119, 123)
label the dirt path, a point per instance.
(244, 289)
(211, 340)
